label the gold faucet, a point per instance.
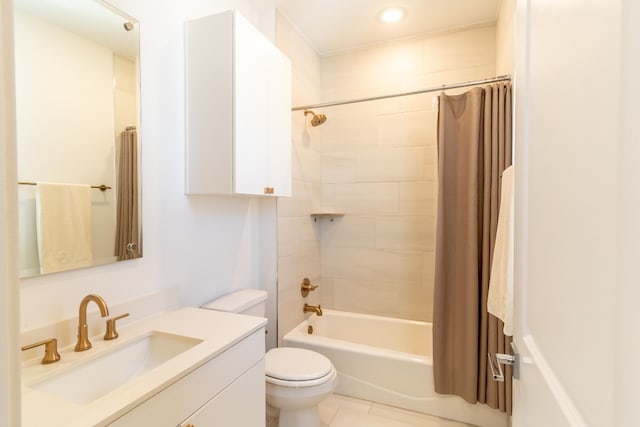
(317, 309)
(83, 339)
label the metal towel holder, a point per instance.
(496, 360)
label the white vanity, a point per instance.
(189, 367)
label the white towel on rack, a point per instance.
(500, 299)
(63, 221)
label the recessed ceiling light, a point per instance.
(392, 14)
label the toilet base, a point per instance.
(297, 400)
(307, 417)
(272, 416)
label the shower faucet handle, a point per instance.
(306, 287)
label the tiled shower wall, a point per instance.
(298, 235)
(378, 166)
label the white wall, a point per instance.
(298, 235)
(9, 295)
(378, 166)
(505, 38)
(627, 350)
(65, 105)
(200, 246)
(125, 88)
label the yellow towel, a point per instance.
(500, 299)
(63, 226)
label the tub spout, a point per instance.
(317, 309)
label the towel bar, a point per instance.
(101, 187)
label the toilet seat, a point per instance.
(297, 367)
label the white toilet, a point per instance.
(296, 379)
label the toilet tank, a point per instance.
(246, 301)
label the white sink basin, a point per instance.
(91, 379)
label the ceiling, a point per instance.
(95, 20)
(332, 26)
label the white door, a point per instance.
(9, 290)
(568, 140)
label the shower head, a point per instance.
(317, 119)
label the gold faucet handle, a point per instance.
(51, 354)
(111, 333)
(306, 286)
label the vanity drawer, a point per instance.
(242, 404)
(183, 398)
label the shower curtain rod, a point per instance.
(395, 95)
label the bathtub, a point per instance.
(386, 360)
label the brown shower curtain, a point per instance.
(474, 147)
(127, 225)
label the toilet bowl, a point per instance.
(296, 379)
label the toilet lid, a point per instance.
(296, 364)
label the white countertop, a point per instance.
(217, 330)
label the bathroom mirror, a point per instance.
(77, 111)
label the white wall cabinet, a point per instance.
(238, 109)
(227, 391)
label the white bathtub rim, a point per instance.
(298, 339)
(339, 313)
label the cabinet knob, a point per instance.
(268, 190)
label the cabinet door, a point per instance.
(241, 404)
(251, 121)
(209, 104)
(279, 156)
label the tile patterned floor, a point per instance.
(343, 411)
